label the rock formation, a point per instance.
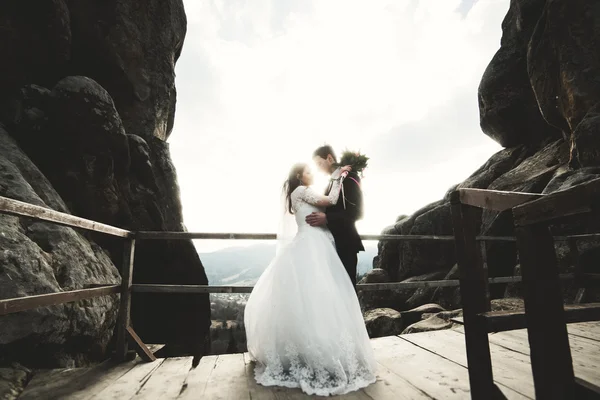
(383, 322)
(539, 98)
(87, 102)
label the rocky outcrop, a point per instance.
(88, 97)
(539, 99)
(35, 46)
(375, 298)
(436, 320)
(400, 299)
(13, 380)
(39, 258)
(433, 323)
(129, 49)
(416, 314)
(509, 112)
(407, 259)
(563, 68)
(383, 322)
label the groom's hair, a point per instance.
(324, 151)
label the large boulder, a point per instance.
(422, 295)
(539, 98)
(130, 48)
(107, 175)
(518, 169)
(433, 323)
(419, 258)
(410, 258)
(563, 67)
(370, 299)
(40, 258)
(414, 315)
(508, 108)
(532, 175)
(13, 380)
(383, 322)
(35, 47)
(401, 260)
(87, 90)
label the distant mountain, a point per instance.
(243, 265)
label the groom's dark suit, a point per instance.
(341, 223)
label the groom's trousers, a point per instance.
(350, 260)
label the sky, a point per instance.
(262, 83)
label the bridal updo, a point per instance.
(293, 180)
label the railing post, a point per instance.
(475, 299)
(577, 270)
(125, 303)
(551, 360)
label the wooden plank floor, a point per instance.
(429, 365)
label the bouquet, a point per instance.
(355, 159)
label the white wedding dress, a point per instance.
(304, 326)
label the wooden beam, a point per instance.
(141, 349)
(585, 390)
(442, 283)
(417, 238)
(494, 199)
(9, 306)
(475, 300)
(22, 209)
(157, 288)
(582, 312)
(195, 289)
(125, 300)
(551, 360)
(575, 200)
(500, 321)
(160, 235)
(579, 236)
(157, 235)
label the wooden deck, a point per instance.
(415, 366)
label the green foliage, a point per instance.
(355, 159)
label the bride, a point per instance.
(304, 326)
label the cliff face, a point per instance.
(539, 98)
(87, 101)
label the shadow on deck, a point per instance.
(415, 366)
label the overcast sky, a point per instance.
(261, 83)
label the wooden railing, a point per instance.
(8, 306)
(125, 333)
(530, 210)
(545, 315)
(473, 276)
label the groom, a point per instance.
(338, 219)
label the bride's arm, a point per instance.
(319, 200)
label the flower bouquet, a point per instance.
(355, 159)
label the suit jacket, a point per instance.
(341, 222)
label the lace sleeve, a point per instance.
(316, 199)
(334, 194)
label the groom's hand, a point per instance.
(316, 219)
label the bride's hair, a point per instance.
(291, 183)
